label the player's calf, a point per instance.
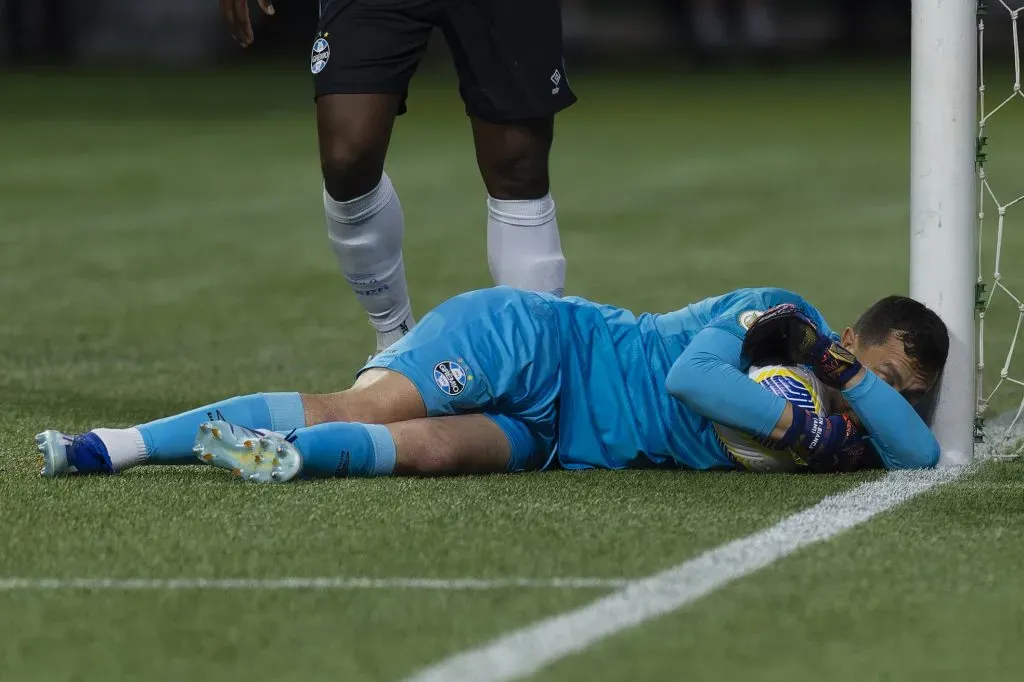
(364, 217)
(524, 249)
(462, 444)
(378, 396)
(513, 157)
(164, 441)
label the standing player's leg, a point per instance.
(524, 249)
(364, 217)
(363, 58)
(512, 79)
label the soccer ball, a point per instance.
(797, 385)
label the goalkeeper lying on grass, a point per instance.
(504, 380)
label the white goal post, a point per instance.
(943, 209)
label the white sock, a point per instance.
(523, 248)
(366, 234)
(126, 447)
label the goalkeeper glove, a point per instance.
(812, 437)
(860, 455)
(784, 335)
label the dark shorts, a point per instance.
(508, 53)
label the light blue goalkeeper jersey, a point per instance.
(616, 409)
(597, 386)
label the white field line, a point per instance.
(525, 651)
(134, 584)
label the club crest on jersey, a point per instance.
(749, 317)
(450, 377)
(321, 53)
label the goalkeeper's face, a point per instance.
(892, 363)
(901, 341)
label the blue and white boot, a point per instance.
(260, 456)
(64, 454)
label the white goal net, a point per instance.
(999, 289)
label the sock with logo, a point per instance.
(170, 440)
(366, 235)
(345, 449)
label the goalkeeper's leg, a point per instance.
(461, 444)
(378, 396)
(480, 352)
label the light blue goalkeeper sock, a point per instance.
(170, 440)
(345, 449)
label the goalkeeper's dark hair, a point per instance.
(924, 335)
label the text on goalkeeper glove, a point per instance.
(818, 436)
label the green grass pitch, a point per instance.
(162, 246)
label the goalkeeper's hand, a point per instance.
(236, 14)
(814, 439)
(860, 455)
(784, 335)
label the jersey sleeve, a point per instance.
(707, 378)
(898, 434)
(710, 376)
(737, 311)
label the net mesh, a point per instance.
(997, 301)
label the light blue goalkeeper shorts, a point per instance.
(494, 351)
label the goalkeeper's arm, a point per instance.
(707, 378)
(899, 435)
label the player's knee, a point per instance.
(354, 131)
(518, 175)
(515, 165)
(351, 168)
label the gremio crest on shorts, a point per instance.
(450, 377)
(321, 53)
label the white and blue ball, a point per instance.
(797, 385)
